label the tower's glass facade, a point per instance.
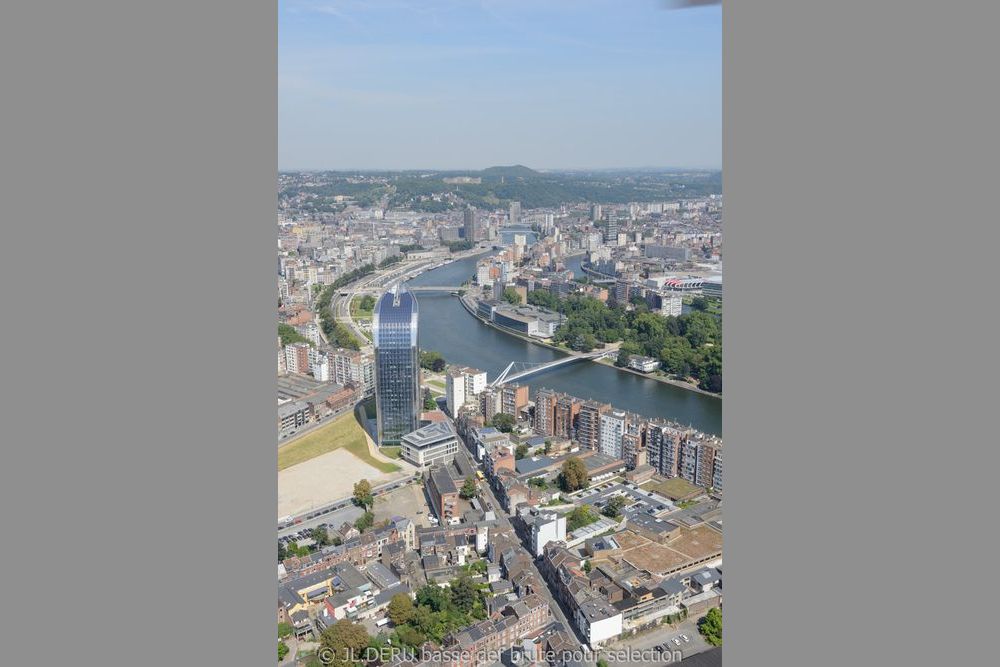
(397, 365)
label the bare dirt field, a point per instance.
(408, 501)
(323, 479)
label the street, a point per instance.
(503, 519)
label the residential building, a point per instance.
(515, 213)
(663, 447)
(564, 416)
(486, 440)
(479, 644)
(320, 368)
(513, 399)
(297, 358)
(293, 415)
(490, 402)
(545, 527)
(687, 463)
(709, 454)
(469, 224)
(643, 364)
(353, 367)
(443, 493)
(397, 365)
(454, 392)
(597, 619)
(545, 404)
(633, 450)
(588, 432)
(612, 429)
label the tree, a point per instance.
(320, 536)
(587, 567)
(503, 422)
(282, 552)
(463, 593)
(613, 509)
(574, 475)
(583, 515)
(346, 639)
(521, 451)
(548, 446)
(710, 626)
(468, 488)
(429, 402)
(432, 361)
(363, 494)
(289, 334)
(434, 597)
(407, 635)
(511, 296)
(365, 521)
(400, 609)
(282, 650)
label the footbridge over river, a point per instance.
(518, 370)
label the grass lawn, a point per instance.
(674, 488)
(392, 452)
(358, 311)
(342, 433)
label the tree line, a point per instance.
(688, 345)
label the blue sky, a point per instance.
(467, 84)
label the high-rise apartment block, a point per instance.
(588, 432)
(612, 428)
(469, 224)
(490, 402)
(545, 406)
(513, 398)
(515, 213)
(354, 368)
(663, 443)
(462, 385)
(564, 416)
(297, 358)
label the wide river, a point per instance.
(445, 326)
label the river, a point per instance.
(446, 327)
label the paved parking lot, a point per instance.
(639, 500)
(645, 645)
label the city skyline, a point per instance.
(446, 85)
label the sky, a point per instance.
(469, 84)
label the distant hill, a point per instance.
(517, 171)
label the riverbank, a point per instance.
(469, 304)
(659, 378)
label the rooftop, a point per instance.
(431, 434)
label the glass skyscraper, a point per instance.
(397, 365)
